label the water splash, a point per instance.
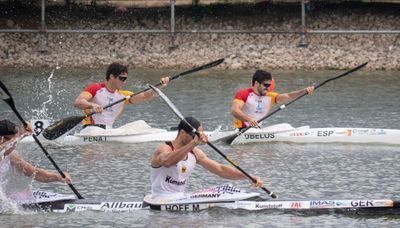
(7, 206)
(43, 112)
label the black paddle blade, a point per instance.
(5, 95)
(228, 139)
(61, 127)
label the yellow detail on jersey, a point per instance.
(183, 169)
(125, 93)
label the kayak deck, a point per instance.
(352, 207)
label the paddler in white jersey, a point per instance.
(253, 103)
(10, 162)
(173, 162)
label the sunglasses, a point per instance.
(266, 85)
(121, 78)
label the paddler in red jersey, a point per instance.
(253, 103)
(97, 95)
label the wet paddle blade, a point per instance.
(61, 127)
(5, 95)
(228, 139)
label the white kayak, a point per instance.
(215, 194)
(305, 134)
(39, 197)
(140, 132)
(228, 197)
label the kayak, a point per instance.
(318, 206)
(306, 134)
(35, 199)
(228, 197)
(140, 132)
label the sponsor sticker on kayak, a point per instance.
(350, 203)
(103, 206)
(329, 203)
(185, 207)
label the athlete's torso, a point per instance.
(254, 105)
(173, 179)
(102, 96)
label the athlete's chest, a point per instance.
(104, 97)
(255, 101)
(186, 166)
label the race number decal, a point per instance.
(39, 125)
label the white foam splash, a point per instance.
(43, 112)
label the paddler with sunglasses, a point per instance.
(253, 103)
(97, 95)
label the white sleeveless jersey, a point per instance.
(173, 179)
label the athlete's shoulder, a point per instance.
(164, 147)
(273, 96)
(245, 90)
(94, 87)
(242, 94)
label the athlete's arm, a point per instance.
(164, 156)
(149, 94)
(39, 174)
(286, 97)
(83, 102)
(223, 171)
(236, 110)
(10, 144)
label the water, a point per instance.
(292, 171)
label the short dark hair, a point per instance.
(116, 69)
(192, 121)
(7, 128)
(260, 76)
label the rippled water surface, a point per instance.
(293, 171)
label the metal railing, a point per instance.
(304, 31)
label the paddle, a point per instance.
(63, 126)
(179, 114)
(229, 139)
(6, 96)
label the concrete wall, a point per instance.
(183, 50)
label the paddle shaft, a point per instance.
(231, 138)
(179, 114)
(11, 104)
